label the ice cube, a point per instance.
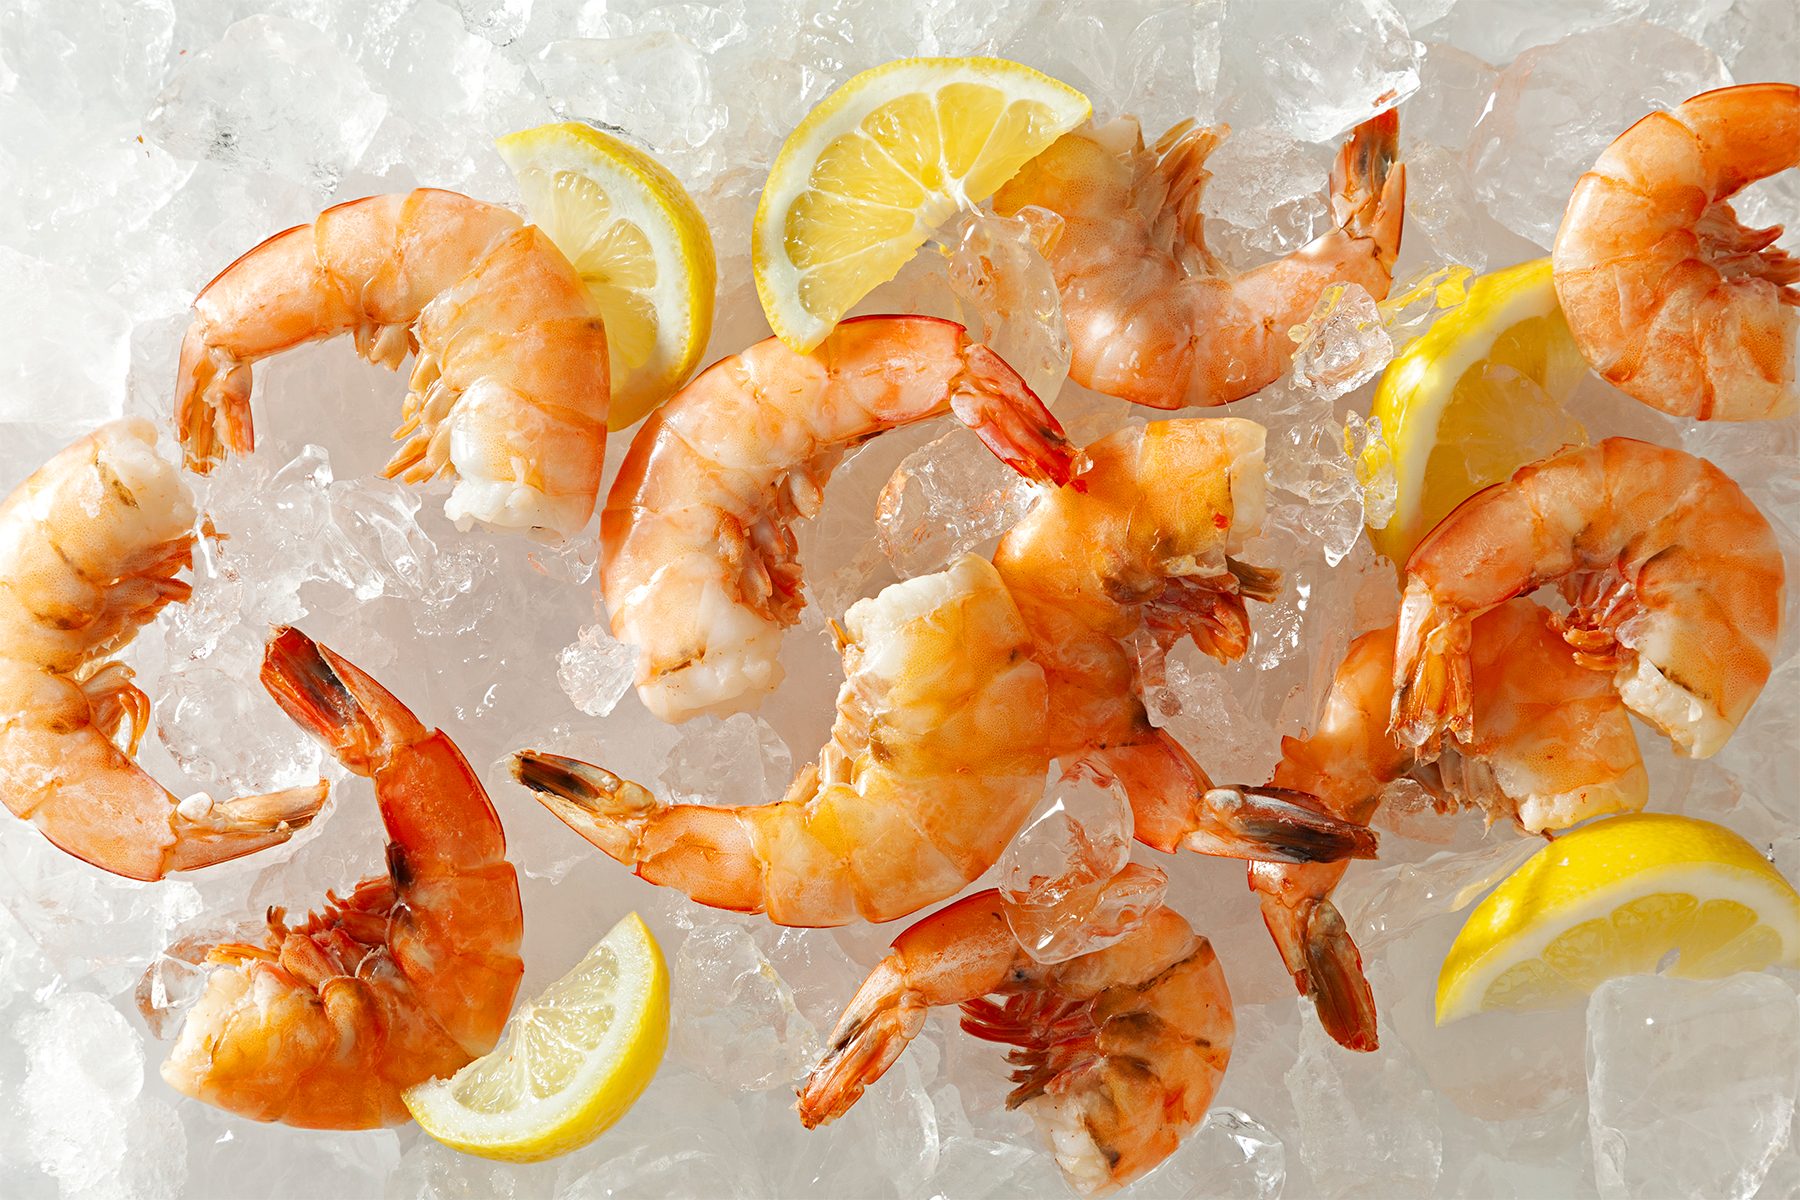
(970, 1168)
(430, 1170)
(1267, 195)
(1691, 1084)
(1319, 73)
(945, 499)
(1343, 344)
(734, 1016)
(596, 670)
(1231, 1156)
(1441, 204)
(1556, 107)
(69, 376)
(499, 21)
(224, 731)
(1059, 865)
(654, 87)
(252, 101)
(1009, 299)
(1454, 87)
(738, 759)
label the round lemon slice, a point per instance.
(570, 1062)
(1622, 896)
(638, 243)
(879, 164)
(1477, 397)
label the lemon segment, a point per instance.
(1629, 895)
(569, 1064)
(1475, 398)
(642, 249)
(880, 163)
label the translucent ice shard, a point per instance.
(1368, 1123)
(1326, 69)
(739, 759)
(1343, 344)
(943, 500)
(596, 670)
(734, 1016)
(1008, 294)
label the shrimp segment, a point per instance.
(1118, 1053)
(509, 394)
(1675, 579)
(1153, 317)
(934, 762)
(1144, 549)
(90, 549)
(406, 978)
(700, 568)
(1553, 747)
(1667, 294)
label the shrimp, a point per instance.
(1675, 579)
(1553, 747)
(508, 396)
(1145, 549)
(1668, 295)
(934, 762)
(1153, 317)
(406, 978)
(90, 549)
(1117, 1052)
(700, 571)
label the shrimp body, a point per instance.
(701, 573)
(90, 549)
(1675, 579)
(1153, 317)
(509, 393)
(1118, 1053)
(406, 978)
(1143, 549)
(934, 762)
(1667, 294)
(1553, 746)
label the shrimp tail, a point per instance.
(1333, 977)
(1368, 186)
(360, 721)
(607, 810)
(1277, 824)
(1002, 410)
(212, 404)
(1433, 687)
(882, 1018)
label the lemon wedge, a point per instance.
(1477, 397)
(638, 243)
(1619, 897)
(880, 163)
(570, 1062)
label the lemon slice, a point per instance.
(1619, 897)
(1476, 398)
(879, 164)
(570, 1062)
(638, 243)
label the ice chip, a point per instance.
(1267, 194)
(1322, 71)
(1343, 344)
(1441, 204)
(1368, 1123)
(1170, 63)
(738, 759)
(596, 670)
(1691, 1084)
(1454, 87)
(734, 1016)
(655, 87)
(253, 101)
(945, 499)
(70, 375)
(499, 21)
(1008, 292)
(1231, 1156)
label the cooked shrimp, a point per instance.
(1553, 746)
(700, 571)
(90, 549)
(406, 978)
(1674, 576)
(1668, 295)
(508, 397)
(935, 760)
(1144, 549)
(1153, 317)
(1118, 1052)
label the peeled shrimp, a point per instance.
(1153, 317)
(1667, 294)
(700, 571)
(1553, 747)
(90, 547)
(409, 976)
(1117, 1053)
(934, 762)
(1144, 550)
(508, 396)
(1674, 576)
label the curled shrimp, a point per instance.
(408, 977)
(1144, 549)
(1153, 317)
(1553, 747)
(508, 396)
(934, 762)
(1117, 1052)
(90, 549)
(1675, 580)
(700, 567)
(1668, 295)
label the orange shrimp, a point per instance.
(408, 977)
